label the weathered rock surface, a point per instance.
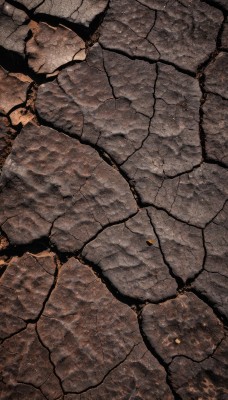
(181, 244)
(173, 143)
(124, 105)
(7, 135)
(80, 12)
(213, 286)
(138, 377)
(26, 370)
(195, 197)
(52, 47)
(126, 258)
(212, 283)
(13, 90)
(101, 116)
(215, 125)
(61, 187)
(183, 33)
(183, 326)
(83, 322)
(13, 28)
(217, 77)
(122, 165)
(204, 380)
(24, 287)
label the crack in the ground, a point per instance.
(107, 374)
(49, 355)
(150, 61)
(201, 78)
(153, 351)
(179, 281)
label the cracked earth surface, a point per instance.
(113, 202)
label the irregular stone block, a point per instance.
(182, 326)
(204, 380)
(24, 287)
(54, 185)
(13, 90)
(51, 47)
(83, 322)
(125, 256)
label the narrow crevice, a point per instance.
(84, 32)
(210, 304)
(179, 281)
(135, 303)
(51, 362)
(150, 120)
(13, 334)
(107, 374)
(102, 153)
(150, 61)
(35, 320)
(202, 78)
(191, 280)
(213, 218)
(35, 387)
(130, 301)
(158, 358)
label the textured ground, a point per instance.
(113, 212)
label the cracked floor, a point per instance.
(113, 203)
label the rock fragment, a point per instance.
(51, 47)
(183, 326)
(54, 185)
(204, 380)
(24, 287)
(13, 90)
(83, 322)
(136, 269)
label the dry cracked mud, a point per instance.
(113, 200)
